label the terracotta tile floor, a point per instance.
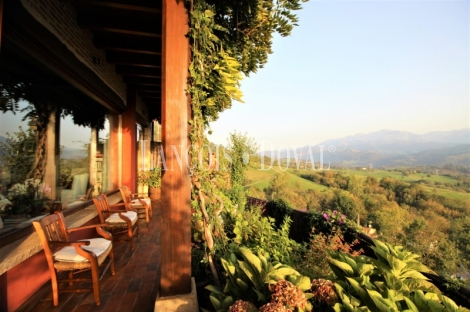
(133, 287)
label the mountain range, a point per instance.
(388, 148)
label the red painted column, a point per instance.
(129, 142)
(176, 184)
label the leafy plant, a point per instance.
(315, 259)
(260, 235)
(392, 282)
(151, 178)
(251, 279)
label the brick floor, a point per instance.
(135, 284)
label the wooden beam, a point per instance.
(135, 59)
(126, 22)
(127, 43)
(139, 88)
(143, 81)
(127, 70)
(119, 5)
(176, 184)
(156, 94)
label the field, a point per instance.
(398, 176)
(260, 179)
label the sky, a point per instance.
(349, 67)
(358, 67)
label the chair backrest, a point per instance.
(51, 228)
(125, 194)
(80, 183)
(102, 206)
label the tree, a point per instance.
(239, 148)
(355, 186)
(349, 204)
(18, 153)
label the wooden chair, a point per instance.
(142, 204)
(74, 256)
(120, 222)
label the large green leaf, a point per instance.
(365, 269)
(282, 273)
(215, 289)
(215, 302)
(426, 305)
(252, 275)
(410, 304)
(252, 259)
(381, 304)
(413, 274)
(346, 268)
(414, 284)
(448, 303)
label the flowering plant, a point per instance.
(334, 217)
(28, 197)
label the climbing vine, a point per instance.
(229, 39)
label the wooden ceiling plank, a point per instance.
(135, 59)
(119, 5)
(140, 71)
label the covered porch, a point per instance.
(126, 60)
(134, 287)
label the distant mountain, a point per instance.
(400, 142)
(70, 153)
(387, 148)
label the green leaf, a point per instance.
(412, 307)
(282, 273)
(261, 297)
(346, 268)
(448, 303)
(379, 301)
(365, 269)
(227, 302)
(214, 289)
(252, 259)
(251, 274)
(302, 282)
(244, 286)
(215, 302)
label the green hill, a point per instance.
(260, 179)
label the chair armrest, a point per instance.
(77, 243)
(85, 227)
(111, 207)
(116, 211)
(144, 203)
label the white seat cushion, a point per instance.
(114, 218)
(69, 254)
(136, 202)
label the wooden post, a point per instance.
(176, 184)
(50, 172)
(129, 142)
(114, 154)
(93, 145)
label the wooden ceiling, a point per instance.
(130, 31)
